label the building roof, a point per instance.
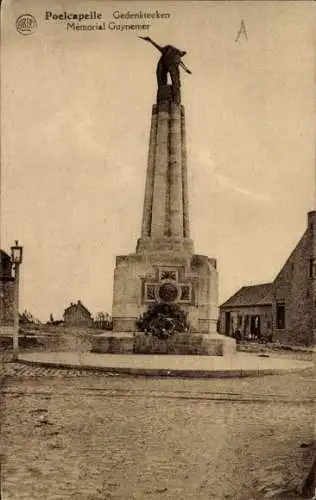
(255, 295)
(76, 306)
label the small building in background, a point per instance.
(249, 312)
(77, 315)
(6, 294)
(284, 310)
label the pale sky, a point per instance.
(76, 110)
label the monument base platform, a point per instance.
(113, 343)
(179, 344)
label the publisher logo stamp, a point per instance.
(26, 24)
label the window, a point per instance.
(312, 268)
(280, 316)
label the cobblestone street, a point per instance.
(70, 434)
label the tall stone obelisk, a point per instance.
(164, 267)
(165, 222)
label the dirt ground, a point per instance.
(87, 436)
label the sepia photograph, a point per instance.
(157, 250)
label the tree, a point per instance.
(103, 321)
(27, 318)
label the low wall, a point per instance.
(54, 340)
(295, 338)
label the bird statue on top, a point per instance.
(169, 62)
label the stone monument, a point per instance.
(164, 267)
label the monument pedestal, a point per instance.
(113, 343)
(143, 279)
(188, 344)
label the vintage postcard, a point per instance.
(158, 250)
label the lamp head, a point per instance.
(16, 253)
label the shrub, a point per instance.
(163, 320)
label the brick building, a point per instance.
(287, 306)
(294, 301)
(77, 315)
(6, 294)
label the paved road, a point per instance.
(83, 436)
(23, 370)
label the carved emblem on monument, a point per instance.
(168, 275)
(168, 292)
(167, 287)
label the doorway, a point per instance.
(227, 323)
(255, 327)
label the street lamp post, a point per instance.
(16, 258)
